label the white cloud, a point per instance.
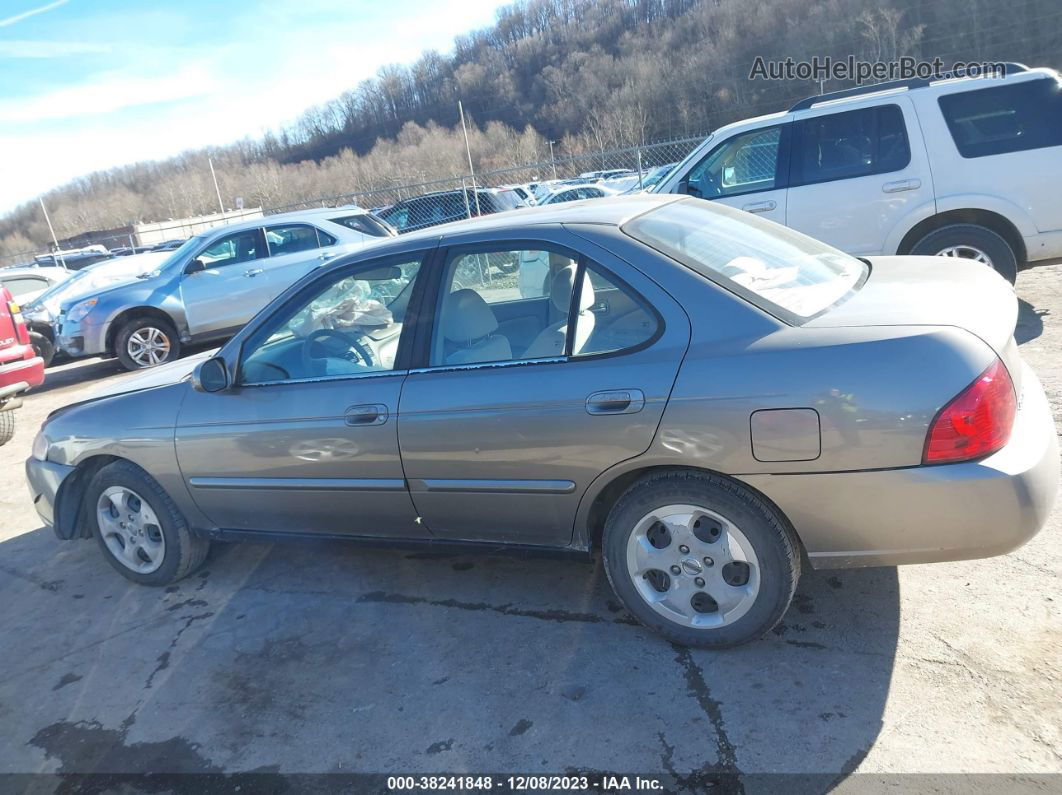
(50, 49)
(32, 12)
(264, 78)
(105, 94)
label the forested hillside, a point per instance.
(587, 74)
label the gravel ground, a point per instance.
(332, 658)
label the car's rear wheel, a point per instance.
(7, 426)
(700, 559)
(146, 342)
(42, 346)
(139, 528)
(973, 242)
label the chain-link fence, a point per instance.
(408, 207)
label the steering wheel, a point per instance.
(330, 343)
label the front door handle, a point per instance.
(368, 414)
(760, 207)
(615, 401)
(327, 255)
(252, 272)
(901, 185)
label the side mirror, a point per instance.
(195, 266)
(211, 376)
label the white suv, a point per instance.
(960, 167)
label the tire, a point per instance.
(7, 426)
(42, 346)
(149, 328)
(725, 516)
(171, 550)
(996, 251)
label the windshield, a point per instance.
(96, 277)
(780, 270)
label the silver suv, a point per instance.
(210, 286)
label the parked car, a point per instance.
(611, 173)
(963, 167)
(25, 284)
(20, 368)
(206, 289)
(442, 207)
(689, 397)
(73, 261)
(574, 193)
(168, 245)
(42, 312)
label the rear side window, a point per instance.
(1008, 118)
(855, 143)
(362, 223)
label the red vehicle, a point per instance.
(20, 367)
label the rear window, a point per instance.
(1007, 118)
(785, 273)
(365, 224)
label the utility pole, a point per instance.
(553, 159)
(58, 251)
(217, 190)
(468, 152)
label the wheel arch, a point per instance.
(989, 219)
(69, 515)
(133, 313)
(610, 485)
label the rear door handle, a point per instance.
(901, 185)
(760, 207)
(252, 272)
(327, 254)
(368, 414)
(615, 401)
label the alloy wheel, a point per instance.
(130, 529)
(966, 252)
(693, 566)
(148, 346)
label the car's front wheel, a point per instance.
(140, 530)
(146, 342)
(700, 559)
(42, 346)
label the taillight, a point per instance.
(977, 422)
(21, 334)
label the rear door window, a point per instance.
(855, 143)
(1007, 118)
(293, 238)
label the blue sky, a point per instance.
(89, 84)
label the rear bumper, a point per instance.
(927, 514)
(44, 479)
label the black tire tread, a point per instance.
(682, 480)
(7, 426)
(1007, 268)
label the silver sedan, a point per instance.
(706, 399)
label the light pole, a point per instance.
(58, 251)
(468, 152)
(553, 159)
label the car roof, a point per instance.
(608, 211)
(30, 270)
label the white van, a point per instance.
(959, 167)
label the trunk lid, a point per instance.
(935, 291)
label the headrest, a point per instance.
(560, 290)
(466, 317)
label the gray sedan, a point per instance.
(706, 399)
